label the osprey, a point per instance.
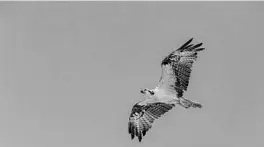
(174, 80)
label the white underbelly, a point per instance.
(167, 98)
(162, 95)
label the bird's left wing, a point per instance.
(177, 67)
(143, 115)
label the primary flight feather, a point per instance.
(174, 80)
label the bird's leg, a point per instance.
(188, 103)
(184, 103)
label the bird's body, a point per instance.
(174, 80)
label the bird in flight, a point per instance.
(174, 80)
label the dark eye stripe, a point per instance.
(151, 92)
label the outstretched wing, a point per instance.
(176, 68)
(143, 115)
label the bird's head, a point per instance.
(147, 92)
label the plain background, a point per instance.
(71, 72)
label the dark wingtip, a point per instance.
(199, 49)
(132, 132)
(190, 40)
(197, 45)
(129, 127)
(139, 137)
(185, 44)
(144, 132)
(132, 136)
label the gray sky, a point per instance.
(71, 72)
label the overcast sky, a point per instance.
(71, 72)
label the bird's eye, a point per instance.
(151, 92)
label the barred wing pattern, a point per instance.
(142, 116)
(176, 68)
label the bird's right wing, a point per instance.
(143, 115)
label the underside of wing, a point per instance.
(176, 68)
(142, 117)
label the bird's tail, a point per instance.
(188, 103)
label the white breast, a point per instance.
(162, 95)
